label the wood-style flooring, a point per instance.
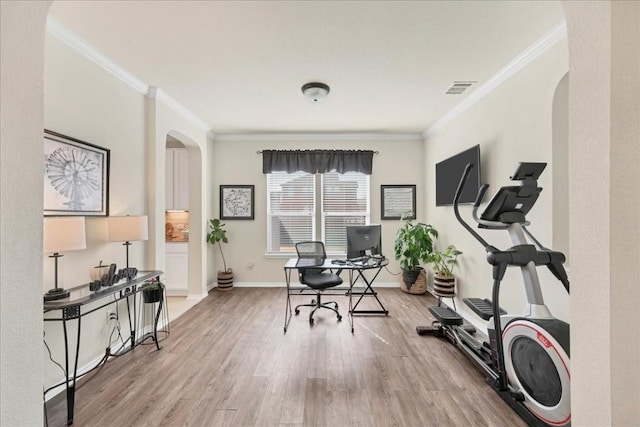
(227, 362)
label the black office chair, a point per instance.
(313, 254)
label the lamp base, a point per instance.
(56, 294)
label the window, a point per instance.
(303, 206)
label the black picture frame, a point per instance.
(398, 201)
(237, 202)
(76, 176)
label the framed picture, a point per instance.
(398, 201)
(76, 177)
(236, 202)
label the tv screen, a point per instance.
(363, 240)
(449, 172)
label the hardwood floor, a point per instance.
(228, 363)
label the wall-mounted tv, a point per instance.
(449, 172)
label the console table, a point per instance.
(82, 302)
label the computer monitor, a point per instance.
(364, 240)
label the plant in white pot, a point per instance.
(218, 235)
(444, 281)
(414, 245)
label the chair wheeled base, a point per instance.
(317, 303)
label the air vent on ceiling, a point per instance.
(458, 87)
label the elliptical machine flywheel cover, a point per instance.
(537, 364)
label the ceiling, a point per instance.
(239, 65)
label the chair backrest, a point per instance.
(311, 256)
(310, 253)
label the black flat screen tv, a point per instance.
(449, 172)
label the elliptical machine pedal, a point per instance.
(445, 316)
(435, 329)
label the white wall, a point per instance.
(21, 122)
(237, 162)
(512, 124)
(604, 152)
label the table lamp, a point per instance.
(62, 234)
(127, 229)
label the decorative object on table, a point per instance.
(218, 235)
(100, 275)
(127, 229)
(111, 277)
(414, 245)
(99, 270)
(236, 202)
(76, 177)
(398, 201)
(444, 282)
(152, 291)
(62, 234)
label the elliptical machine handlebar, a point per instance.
(456, 199)
(516, 256)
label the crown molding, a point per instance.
(553, 36)
(77, 43)
(167, 100)
(312, 137)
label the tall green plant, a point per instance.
(414, 244)
(217, 234)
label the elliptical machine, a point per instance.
(526, 357)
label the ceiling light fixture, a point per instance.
(315, 91)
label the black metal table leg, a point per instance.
(70, 383)
(368, 291)
(155, 324)
(287, 310)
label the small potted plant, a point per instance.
(414, 245)
(218, 235)
(444, 280)
(152, 291)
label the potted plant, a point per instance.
(414, 245)
(218, 235)
(152, 291)
(444, 280)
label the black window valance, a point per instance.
(317, 161)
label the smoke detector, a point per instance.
(315, 91)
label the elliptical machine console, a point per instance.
(525, 357)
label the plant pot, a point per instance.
(414, 281)
(444, 286)
(225, 280)
(152, 295)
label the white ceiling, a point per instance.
(239, 66)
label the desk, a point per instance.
(76, 306)
(356, 272)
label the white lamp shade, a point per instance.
(63, 234)
(128, 228)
